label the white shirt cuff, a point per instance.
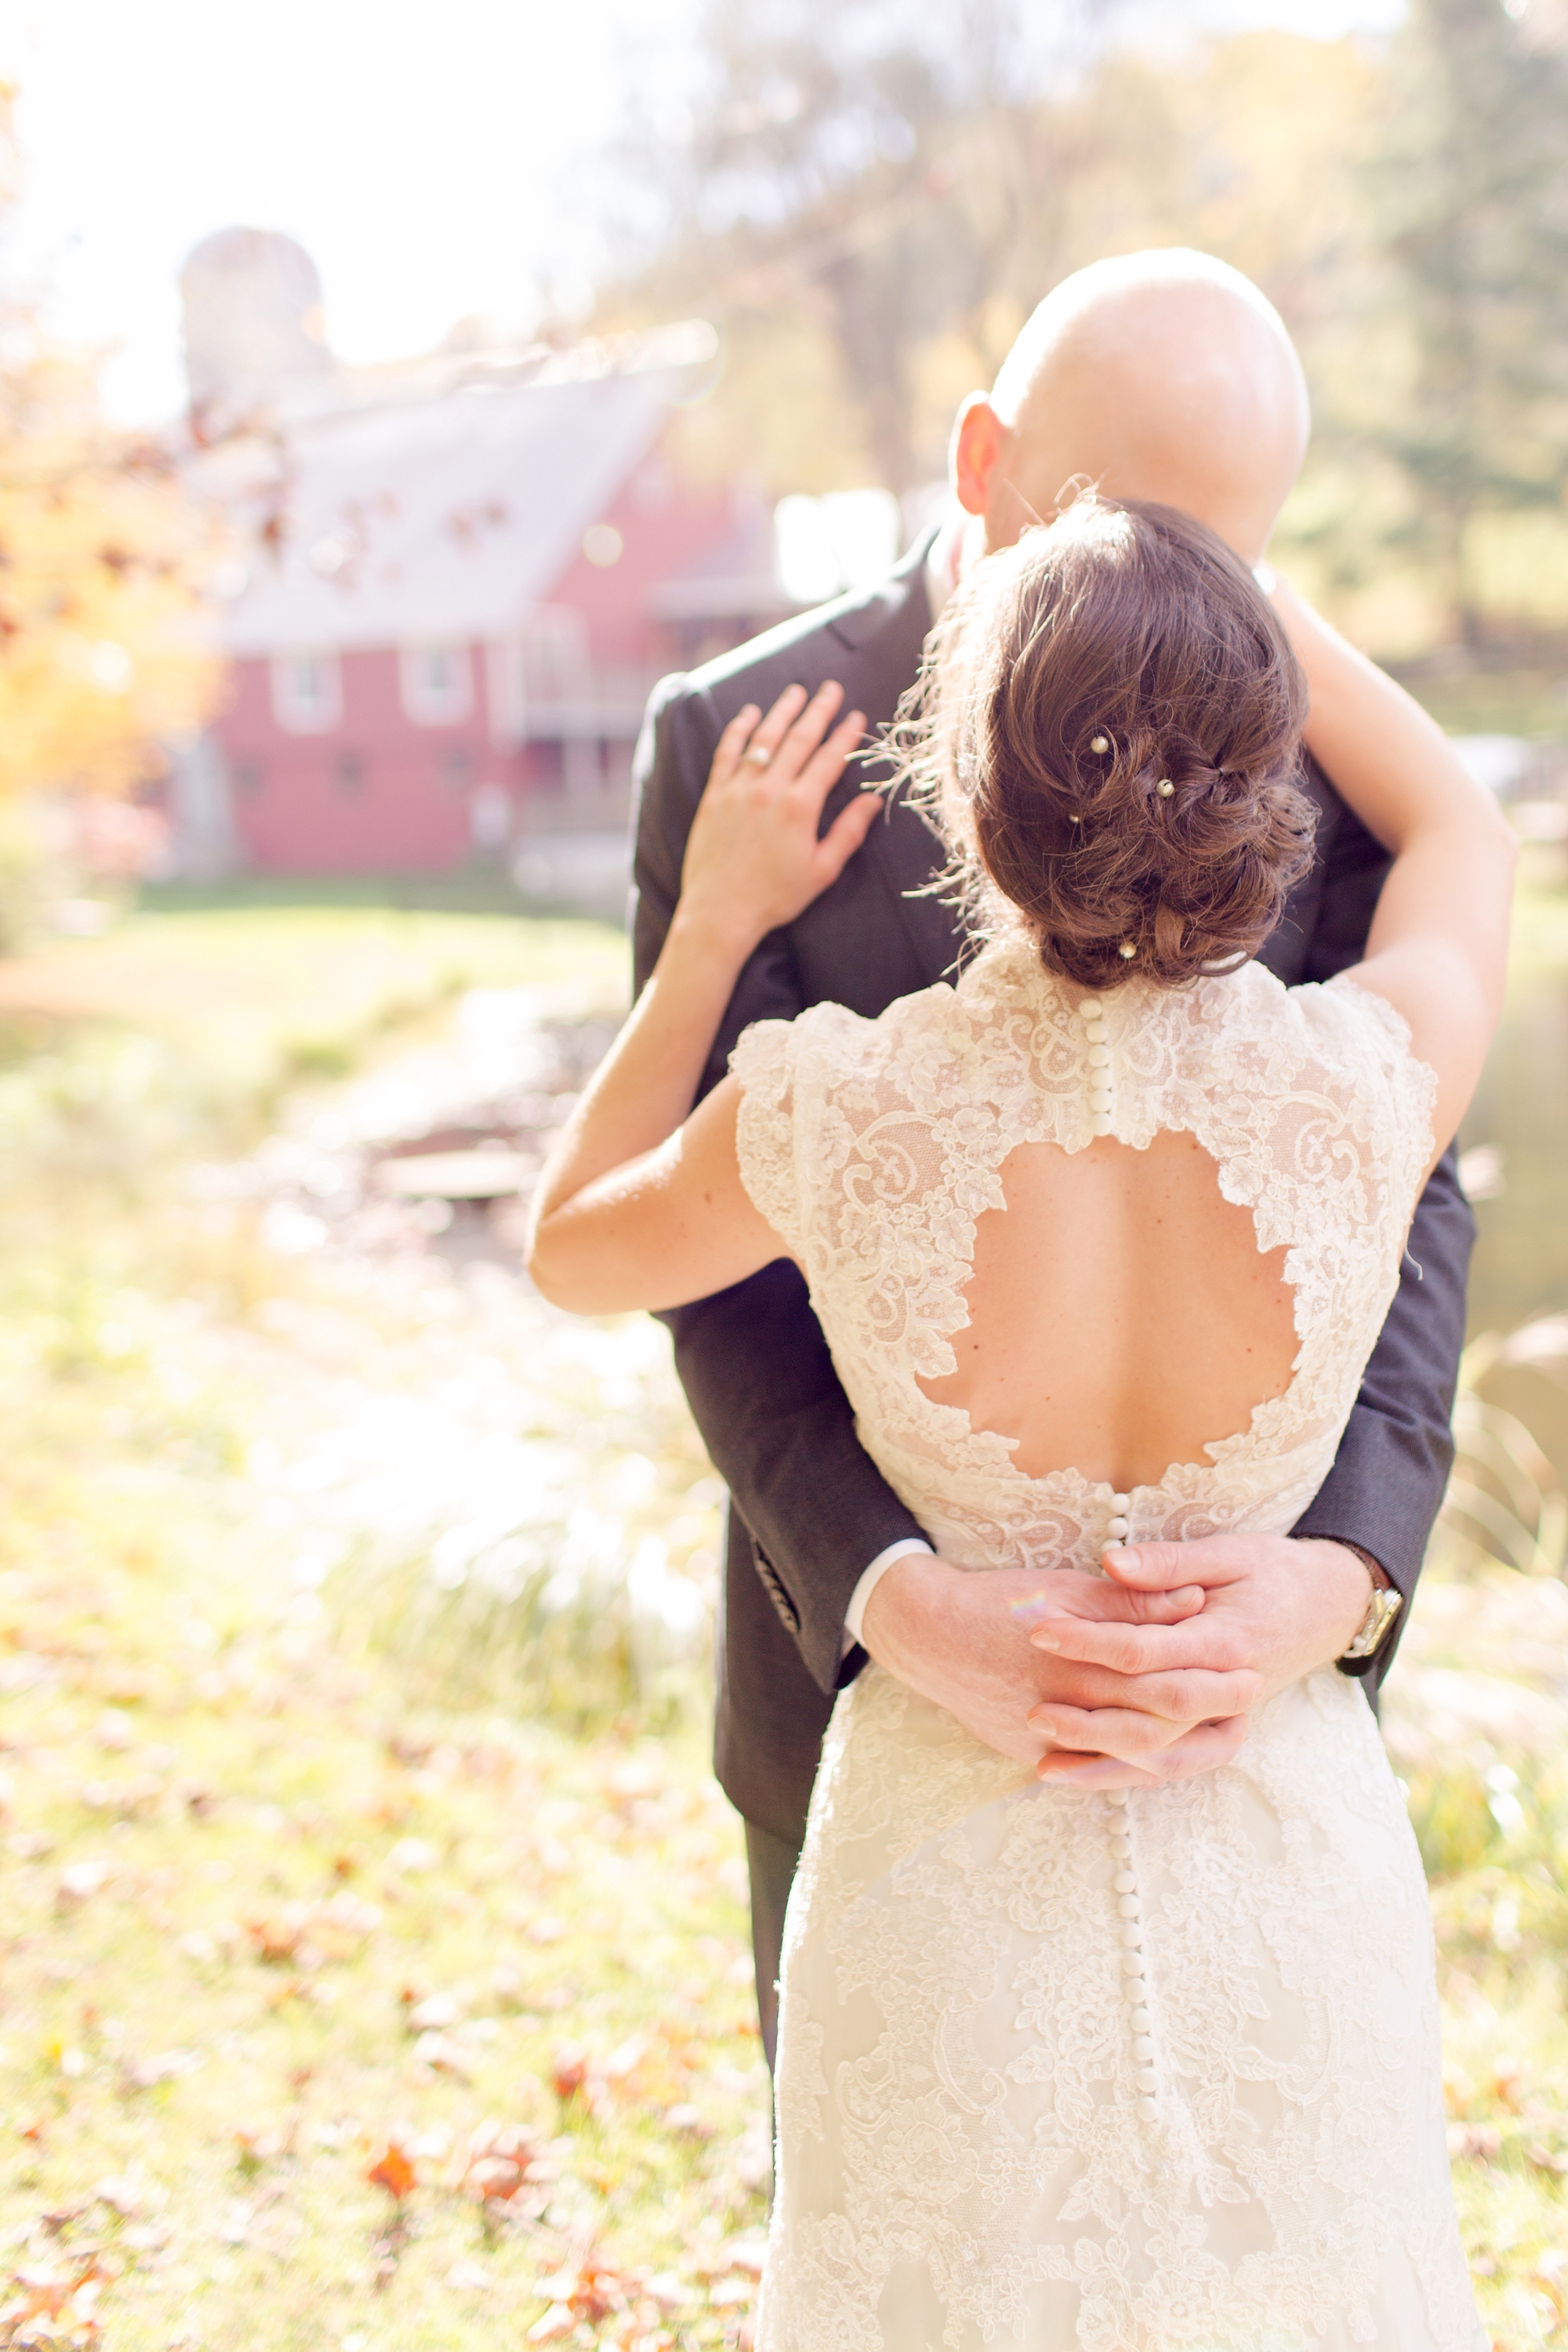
(855, 1615)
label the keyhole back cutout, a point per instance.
(1123, 1320)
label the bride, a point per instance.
(1103, 1238)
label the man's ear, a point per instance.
(979, 439)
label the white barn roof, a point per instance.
(444, 518)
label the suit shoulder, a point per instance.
(867, 627)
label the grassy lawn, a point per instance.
(333, 2018)
(268, 991)
(374, 1972)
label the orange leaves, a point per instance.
(588, 2290)
(628, 2310)
(277, 1940)
(499, 2161)
(54, 2304)
(306, 1935)
(648, 2070)
(568, 2072)
(394, 2171)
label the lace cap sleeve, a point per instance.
(1412, 1085)
(790, 1138)
(764, 1063)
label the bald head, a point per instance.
(1159, 376)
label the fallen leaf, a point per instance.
(392, 2171)
(499, 2161)
(277, 1939)
(445, 2056)
(568, 2070)
(589, 2290)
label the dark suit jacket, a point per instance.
(810, 1510)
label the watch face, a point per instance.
(1382, 1611)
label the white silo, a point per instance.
(254, 330)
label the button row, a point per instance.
(1135, 1983)
(1101, 1084)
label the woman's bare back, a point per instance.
(1055, 1327)
(1123, 1318)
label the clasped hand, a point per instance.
(1145, 1674)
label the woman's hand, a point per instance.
(752, 857)
(635, 1209)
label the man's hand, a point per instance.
(1127, 1680)
(1275, 1607)
(962, 1639)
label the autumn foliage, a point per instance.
(101, 560)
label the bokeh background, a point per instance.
(388, 396)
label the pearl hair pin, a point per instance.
(1165, 787)
(1099, 744)
(1126, 950)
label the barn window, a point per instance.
(307, 693)
(437, 684)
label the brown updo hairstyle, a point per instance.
(1123, 647)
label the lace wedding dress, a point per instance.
(1062, 2069)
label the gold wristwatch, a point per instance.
(1381, 1610)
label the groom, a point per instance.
(1162, 376)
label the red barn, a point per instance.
(461, 596)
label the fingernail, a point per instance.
(1045, 1641)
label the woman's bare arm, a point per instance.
(1437, 949)
(635, 1209)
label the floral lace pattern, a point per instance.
(1057, 2069)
